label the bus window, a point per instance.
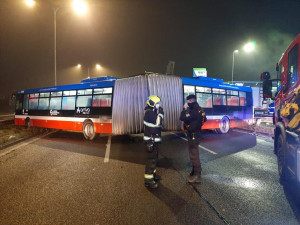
(292, 66)
(69, 93)
(102, 101)
(204, 100)
(68, 103)
(203, 89)
(103, 90)
(242, 98)
(34, 95)
(55, 103)
(56, 93)
(232, 98)
(19, 102)
(84, 92)
(188, 90)
(43, 104)
(25, 102)
(84, 101)
(47, 94)
(219, 97)
(230, 92)
(33, 101)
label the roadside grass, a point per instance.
(12, 133)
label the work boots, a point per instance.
(152, 185)
(195, 178)
(157, 177)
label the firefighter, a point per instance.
(193, 117)
(152, 137)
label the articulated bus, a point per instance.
(109, 105)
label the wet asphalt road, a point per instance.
(64, 179)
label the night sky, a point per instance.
(129, 37)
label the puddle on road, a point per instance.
(235, 182)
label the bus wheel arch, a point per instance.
(27, 122)
(224, 125)
(88, 130)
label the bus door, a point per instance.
(19, 104)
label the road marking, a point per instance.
(107, 152)
(206, 149)
(13, 148)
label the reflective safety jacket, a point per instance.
(153, 123)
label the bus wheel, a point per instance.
(281, 147)
(89, 130)
(27, 123)
(224, 125)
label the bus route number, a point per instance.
(83, 110)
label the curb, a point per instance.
(6, 122)
(8, 150)
(16, 142)
(24, 139)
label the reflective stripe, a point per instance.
(161, 115)
(149, 176)
(158, 119)
(146, 138)
(150, 124)
(154, 171)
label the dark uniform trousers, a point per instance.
(151, 162)
(193, 143)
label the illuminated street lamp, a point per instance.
(79, 6)
(98, 67)
(247, 48)
(30, 3)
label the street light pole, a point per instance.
(235, 51)
(79, 6)
(55, 11)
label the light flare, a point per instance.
(30, 3)
(80, 7)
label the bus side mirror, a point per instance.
(267, 84)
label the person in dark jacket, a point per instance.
(193, 117)
(153, 118)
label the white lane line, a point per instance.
(13, 148)
(107, 153)
(206, 149)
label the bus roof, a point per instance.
(214, 83)
(98, 82)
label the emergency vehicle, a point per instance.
(286, 115)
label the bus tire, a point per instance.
(27, 123)
(281, 148)
(224, 125)
(88, 130)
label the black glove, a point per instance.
(149, 145)
(160, 110)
